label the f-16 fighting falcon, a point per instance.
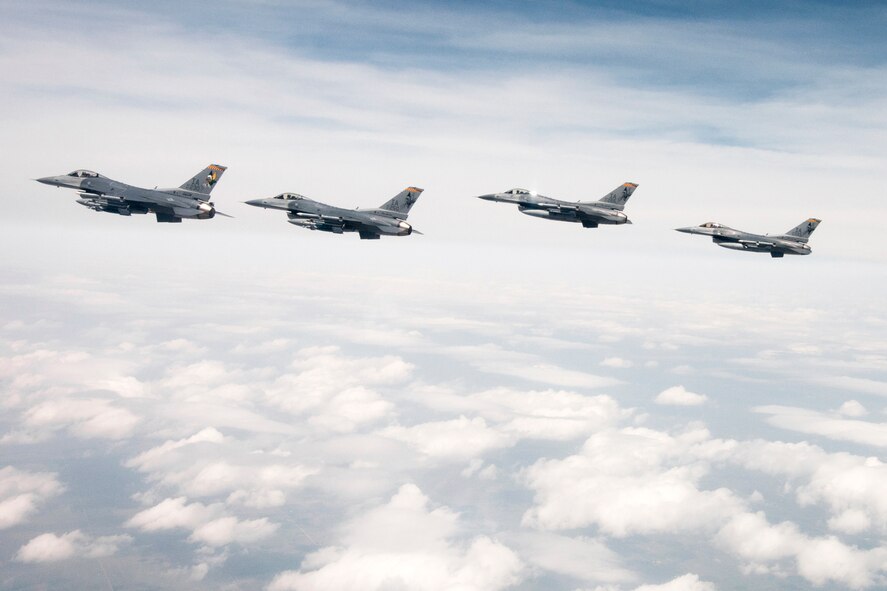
(100, 193)
(792, 242)
(370, 224)
(608, 210)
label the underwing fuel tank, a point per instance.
(549, 215)
(730, 245)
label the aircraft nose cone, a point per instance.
(47, 180)
(687, 230)
(488, 197)
(256, 202)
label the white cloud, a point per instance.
(174, 513)
(856, 384)
(851, 521)
(461, 438)
(632, 481)
(123, 386)
(208, 464)
(680, 396)
(405, 544)
(688, 582)
(492, 358)
(529, 414)
(226, 530)
(850, 486)
(831, 425)
(157, 456)
(22, 493)
(820, 560)
(852, 408)
(51, 548)
(38, 366)
(477, 468)
(86, 418)
(617, 362)
(582, 558)
(549, 414)
(208, 523)
(336, 389)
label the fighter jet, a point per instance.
(100, 193)
(792, 242)
(608, 210)
(370, 224)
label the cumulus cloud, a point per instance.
(820, 560)
(680, 396)
(852, 408)
(582, 558)
(532, 414)
(209, 524)
(632, 481)
(850, 486)
(688, 582)
(856, 384)
(831, 425)
(617, 362)
(208, 464)
(337, 390)
(23, 492)
(86, 418)
(158, 455)
(405, 544)
(494, 359)
(460, 438)
(38, 367)
(640, 481)
(75, 544)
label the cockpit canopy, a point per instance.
(289, 196)
(84, 174)
(710, 225)
(517, 192)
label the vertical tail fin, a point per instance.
(619, 195)
(205, 180)
(803, 230)
(403, 201)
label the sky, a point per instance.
(501, 403)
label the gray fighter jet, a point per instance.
(370, 224)
(608, 210)
(100, 193)
(792, 242)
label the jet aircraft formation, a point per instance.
(192, 201)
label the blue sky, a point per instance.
(502, 403)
